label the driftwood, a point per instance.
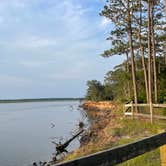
(61, 148)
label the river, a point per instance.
(27, 129)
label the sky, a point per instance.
(50, 48)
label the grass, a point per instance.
(148, 159)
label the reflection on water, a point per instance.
(27, 129)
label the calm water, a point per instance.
(26, 131)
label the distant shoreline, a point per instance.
(37, 100)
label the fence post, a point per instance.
(124, 109)
(151, 111)
(163, 155)
(132, 109)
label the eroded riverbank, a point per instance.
(110, 128)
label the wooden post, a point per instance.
(163, 155)
(151, 112)
(132, 109)
(124, 109)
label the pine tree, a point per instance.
(120, 13)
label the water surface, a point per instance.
(26, 131)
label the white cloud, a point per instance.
(36, 64)
(78, 71)
(20, 4)
(31, 64)
(12, 4)
(14, 81)
(30, 42)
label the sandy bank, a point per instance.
(102, 105)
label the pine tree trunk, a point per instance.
(159, 66)
(128, 72)
(154, 58)
(142, 54)
(150, 60)
(130, 34)
(145, 73)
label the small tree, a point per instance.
(95, 90)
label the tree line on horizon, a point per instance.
(139, 34)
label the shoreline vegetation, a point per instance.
(110, 128)
(39, 100)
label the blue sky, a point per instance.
(50, 48)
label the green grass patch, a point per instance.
(148, 159)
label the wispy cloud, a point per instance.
(79, 71)
(52, 40)
(29, 42)
(14, 81)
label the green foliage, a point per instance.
(108, 94)
(96, 91)
(118, 84)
